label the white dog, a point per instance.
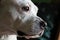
(19, 15)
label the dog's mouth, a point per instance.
(38, 32)
(28, 36)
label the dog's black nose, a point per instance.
(42, 23)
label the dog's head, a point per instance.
(24, 15)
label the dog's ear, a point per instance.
(0, 1)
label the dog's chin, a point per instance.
(28, 36)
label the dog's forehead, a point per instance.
(23, 1)
(16, 1)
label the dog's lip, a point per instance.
(31, 36)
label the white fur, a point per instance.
(14, 8)
(9, 37)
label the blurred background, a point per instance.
(47, 1)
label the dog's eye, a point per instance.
(25, 8)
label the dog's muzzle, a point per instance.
(37, 30)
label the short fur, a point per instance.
(13, 18)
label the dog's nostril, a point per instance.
(25, 8)
(42, 24)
